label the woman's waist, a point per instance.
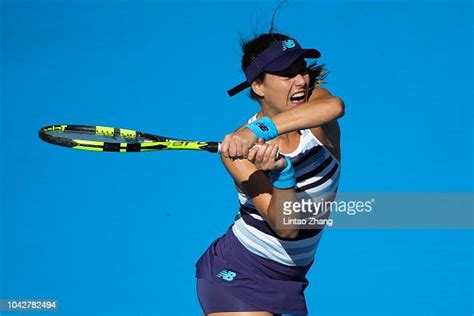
(236, 253)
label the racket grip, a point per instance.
(213, 147)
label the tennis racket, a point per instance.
(102, 138)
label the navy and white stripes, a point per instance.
(317, 176)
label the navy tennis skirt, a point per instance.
(232, 279)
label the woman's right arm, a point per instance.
(251, 180)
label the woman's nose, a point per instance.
(299, 80)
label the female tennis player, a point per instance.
(258, 266)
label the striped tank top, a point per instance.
(317, 175)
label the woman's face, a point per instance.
(287, 88)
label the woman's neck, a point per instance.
(265, 111)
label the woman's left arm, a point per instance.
(321, 108)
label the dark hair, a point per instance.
(258, 44)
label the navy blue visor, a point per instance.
(277, 57)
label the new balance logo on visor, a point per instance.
(227, 275)
(288, 44)
(262, 127)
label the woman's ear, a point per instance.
(257, 87)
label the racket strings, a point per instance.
(95, 137)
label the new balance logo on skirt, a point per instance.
(226, 275)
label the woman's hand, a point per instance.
(265, 156)
(238, 144)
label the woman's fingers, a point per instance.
(237, 145)
(274, 153)
(232, 153)
(264, 156)
(280, 163)
(267, 159)
(261, 153)
(225, 145)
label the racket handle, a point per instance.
(213, 147)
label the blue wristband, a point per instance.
(285, 178)
(263, 128)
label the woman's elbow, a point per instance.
(338, 107)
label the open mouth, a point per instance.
(298, 97)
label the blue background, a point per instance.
(110, 234)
